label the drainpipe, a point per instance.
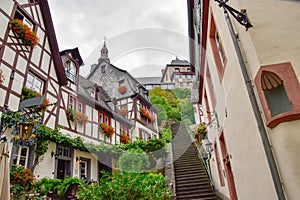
(258, 117)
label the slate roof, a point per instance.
(149, 80)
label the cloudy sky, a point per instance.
(142, 36)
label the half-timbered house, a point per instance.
(128, 96)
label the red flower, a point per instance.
(107, 129)
(122, 89)
(28, 36)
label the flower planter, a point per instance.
(107, 130)
(2, 77)
(122, 89)
(201, 131)
(76, 116)
(24, 33)
(124, 138)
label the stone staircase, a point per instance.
(191, 179)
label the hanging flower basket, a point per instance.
(201, 131)
(27, 36)
(2, 77)
(107, 130)
(124, 138)
(122, 89)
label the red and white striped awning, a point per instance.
(270, 80)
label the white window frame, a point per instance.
(70, 70)
(72, 101)
(36, 84)
(19, 157)
(83, 170)
(79, 107)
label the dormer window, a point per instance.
(121, 82)
(92, 93)
(70, 71)
(103, 69)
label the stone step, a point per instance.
(197, 177)
(198, 192)
(203, 184)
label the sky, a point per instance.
(142, 36)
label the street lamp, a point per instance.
(240, 16)
(208, 147)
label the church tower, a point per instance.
(104, 53)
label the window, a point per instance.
(63, 151)
(217, 49)
(34, 82)
(188, 69)
(278, 88)
(121, 82)
(20, 156)
(275, 93)
(70, 70)
(25, 20)
(103, 69)
(80, 107)
(71, 102)
(218, 162)
(100, 118)
(106, 120)
(92, 93)
(210, 88)
(177, 70)
(83, 170)
(220, 48)
(145, 135)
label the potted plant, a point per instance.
(80, 117)
(27, 36)
(201, 131)
(2, 77)
(144, 113)
(70, 114)
(122, 89)
(107, 129)
(76, 116)
(28, 93)
(21, 179)
(124, 138)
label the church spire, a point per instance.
(104, 53)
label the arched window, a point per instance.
(275, 93)
(278, 88)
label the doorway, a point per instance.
(63, 169)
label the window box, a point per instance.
(28, 93)
(124, 138)
(24, 33)
(76, 116)
(107, 130)
(147, 114)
